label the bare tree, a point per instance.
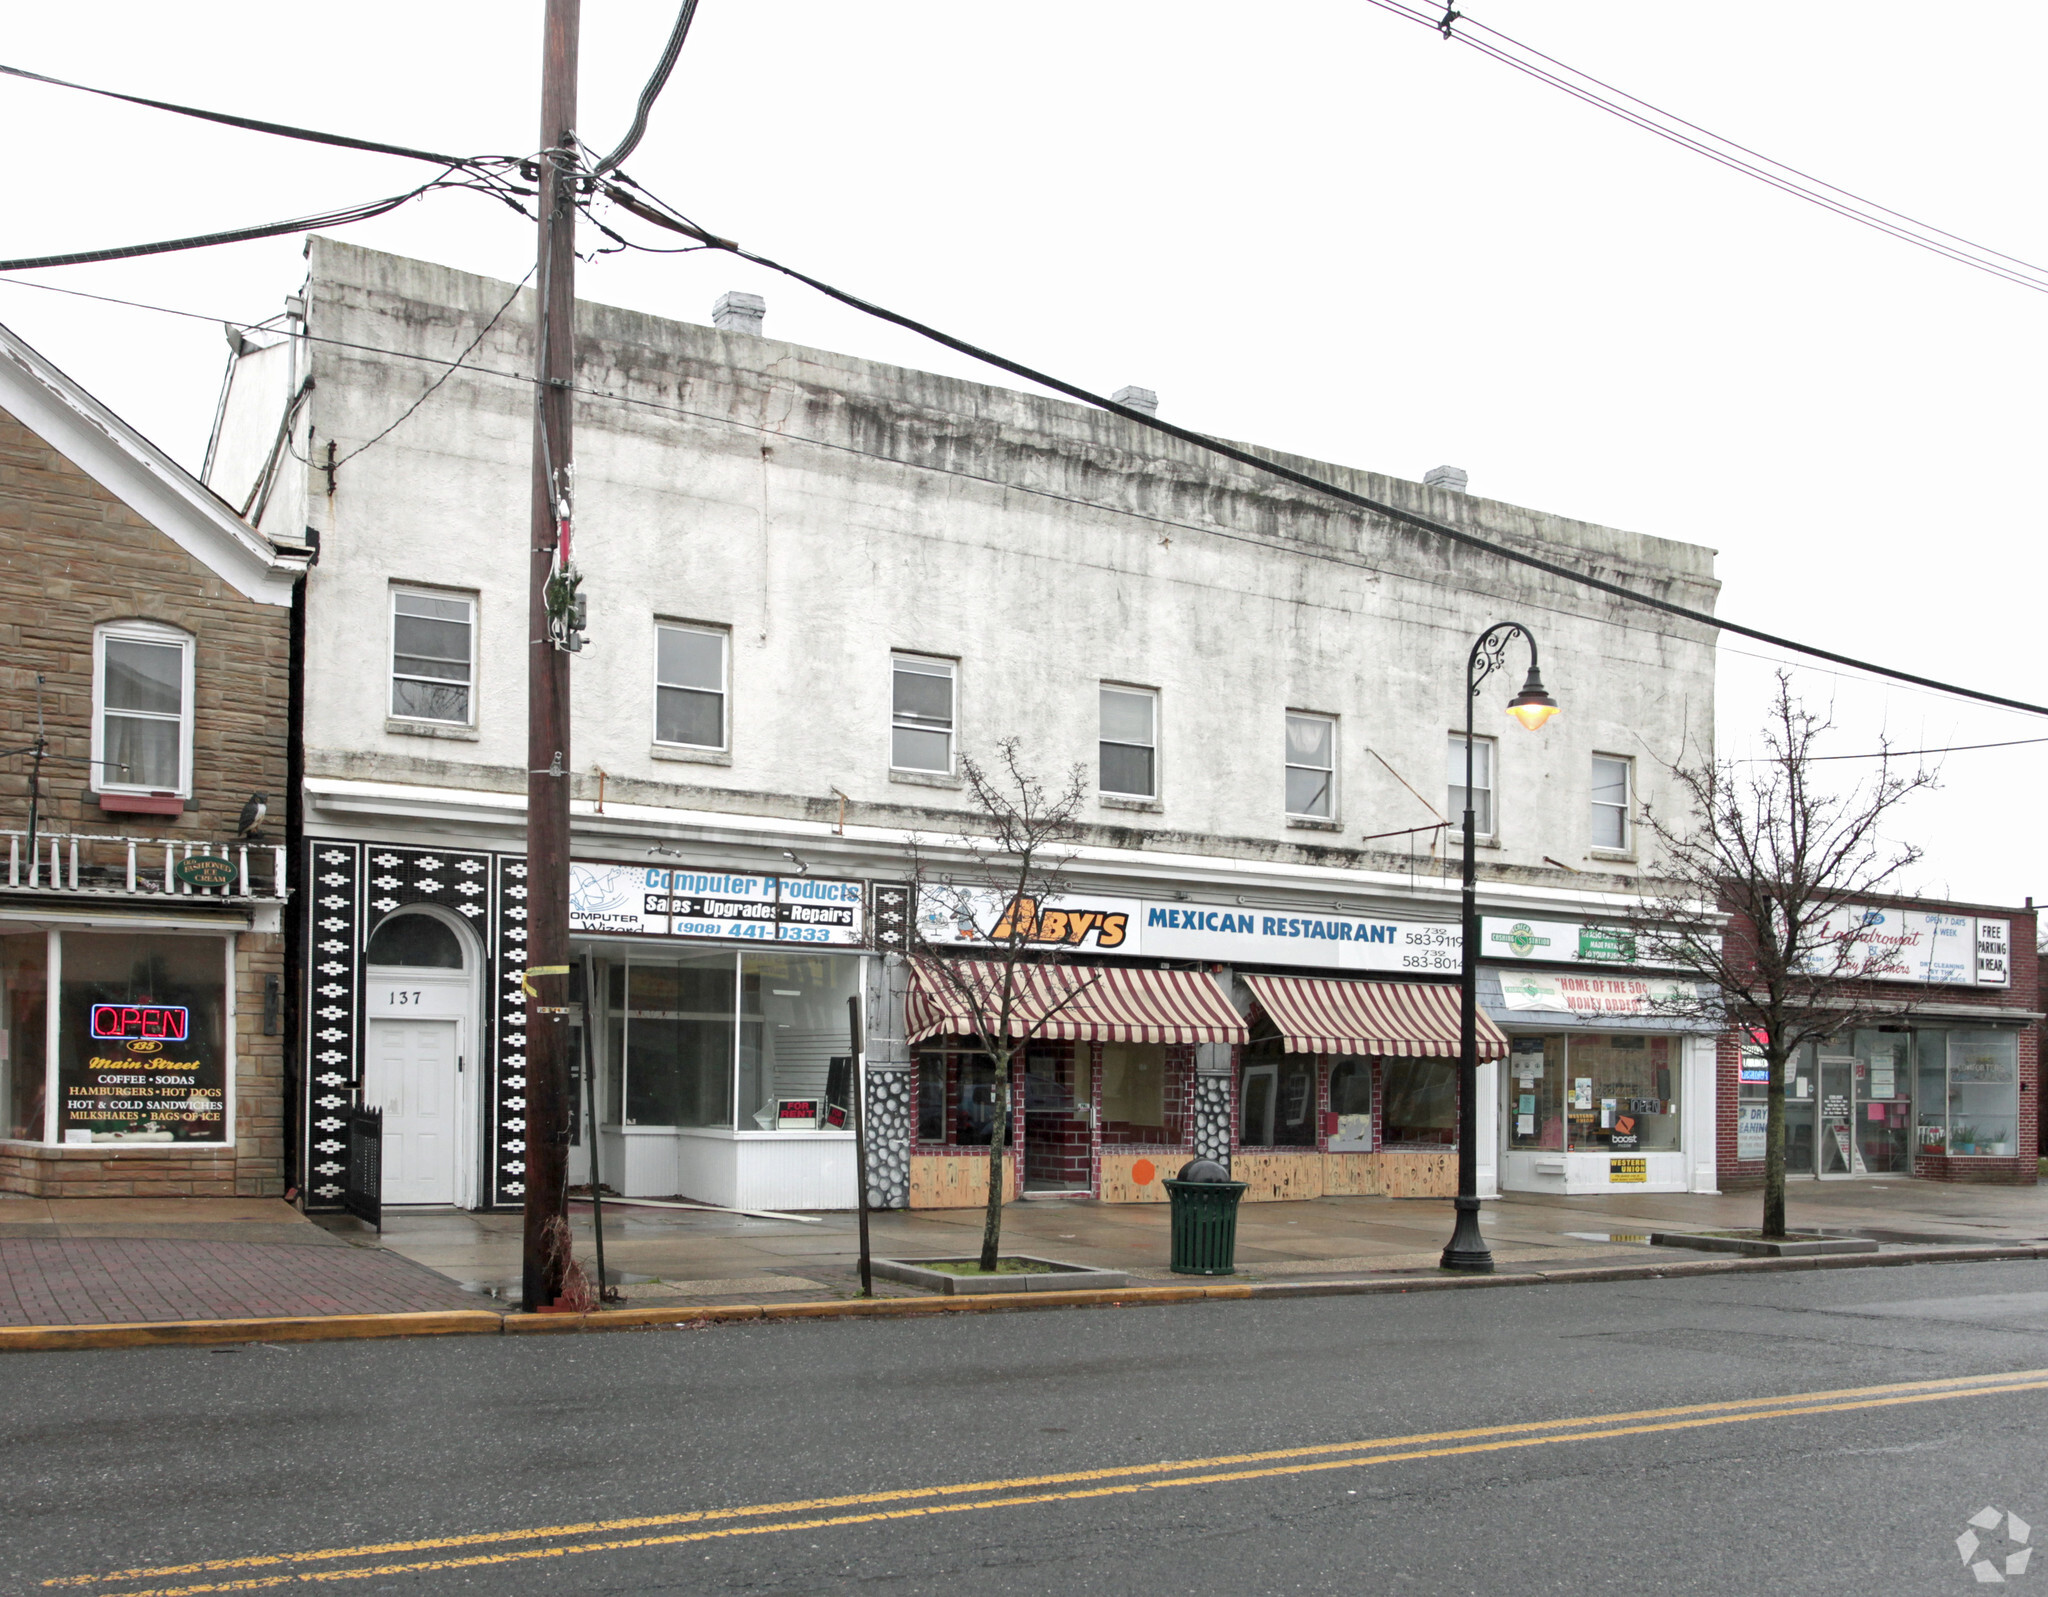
(994, 897)
(1757, 880)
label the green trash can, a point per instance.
(1204, 1219)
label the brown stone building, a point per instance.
(147, 661)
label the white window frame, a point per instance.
(1488, 833)
(1137, 691)
(1329, 771)
(724, 637)
(427, 590)
(1627, 805)
(159, 633)
(927, 665)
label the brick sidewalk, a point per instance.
(122, 1280)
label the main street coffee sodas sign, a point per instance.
(645, 901)
(1152, 929)
(142, 1072)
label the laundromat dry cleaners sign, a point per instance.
(1178, 930)
(642, 901)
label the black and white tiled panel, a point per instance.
(507, 1184)
(456, 879)
(333, 1071)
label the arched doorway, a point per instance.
(420, 1066)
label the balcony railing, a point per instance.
(93, 862)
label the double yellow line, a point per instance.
(265, 1570)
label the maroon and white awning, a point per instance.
(959, 997)
(1404, 1019)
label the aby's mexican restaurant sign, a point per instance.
(1556, 993)
(640, 901)
(1155, 929)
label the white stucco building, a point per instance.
(814, 582)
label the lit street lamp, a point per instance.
(1532, 707)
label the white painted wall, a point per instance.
(829, 509)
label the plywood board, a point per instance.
(957, 1181)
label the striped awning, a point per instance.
(1405, 1019)
(957, 997)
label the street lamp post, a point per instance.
(1532, 707)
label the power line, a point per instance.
(303, 224)
(1750, 163)
(1882, 673)
(283, 130)
(1953, 748)
(652, 91)
(676, 222)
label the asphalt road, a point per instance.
(1513, 1441)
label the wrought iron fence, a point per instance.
(362, 1183)
(95, 862)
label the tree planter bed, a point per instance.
(1795, 1246)
(1036, 1275)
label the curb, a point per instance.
(489, 1322)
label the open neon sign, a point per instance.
(141, 1022)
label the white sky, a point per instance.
(1312, 226)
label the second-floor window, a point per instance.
(433, 656)
(689, 691)
(1311, 766)
(1610, 801)
(142, 709)
(1481, 803)
(1130, 742)
(921, 714)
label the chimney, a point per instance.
(1451, 477)
(739, 313)
(1137, 399)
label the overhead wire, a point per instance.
(652, 91)
(253, 125)
(1349, 562)
(1737, 157)
(674, 220)
(341, 217)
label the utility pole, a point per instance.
(546, 983)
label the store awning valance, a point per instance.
(1406, 1019)
(1078, 1003)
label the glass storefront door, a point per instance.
(1837, 1115)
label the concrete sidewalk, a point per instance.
(680, 1256)
(136, 1261)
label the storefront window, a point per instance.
(674, 1040)
(1134, 1091)
(24, 1077)
(1623, 1093)
(1277, 1093)
(975, 1113)
(1351, 1104)
(931, 1098)
(1535, 1073)
(1930, 1071)
(1983, 1093)
(793, 1025)
(141, 1054)
(1422, 1101)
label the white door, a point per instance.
(412, 1079)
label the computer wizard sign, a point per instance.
(142, 1072)
(647, 901)
(1155, 929)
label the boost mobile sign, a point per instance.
(1159, 930)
